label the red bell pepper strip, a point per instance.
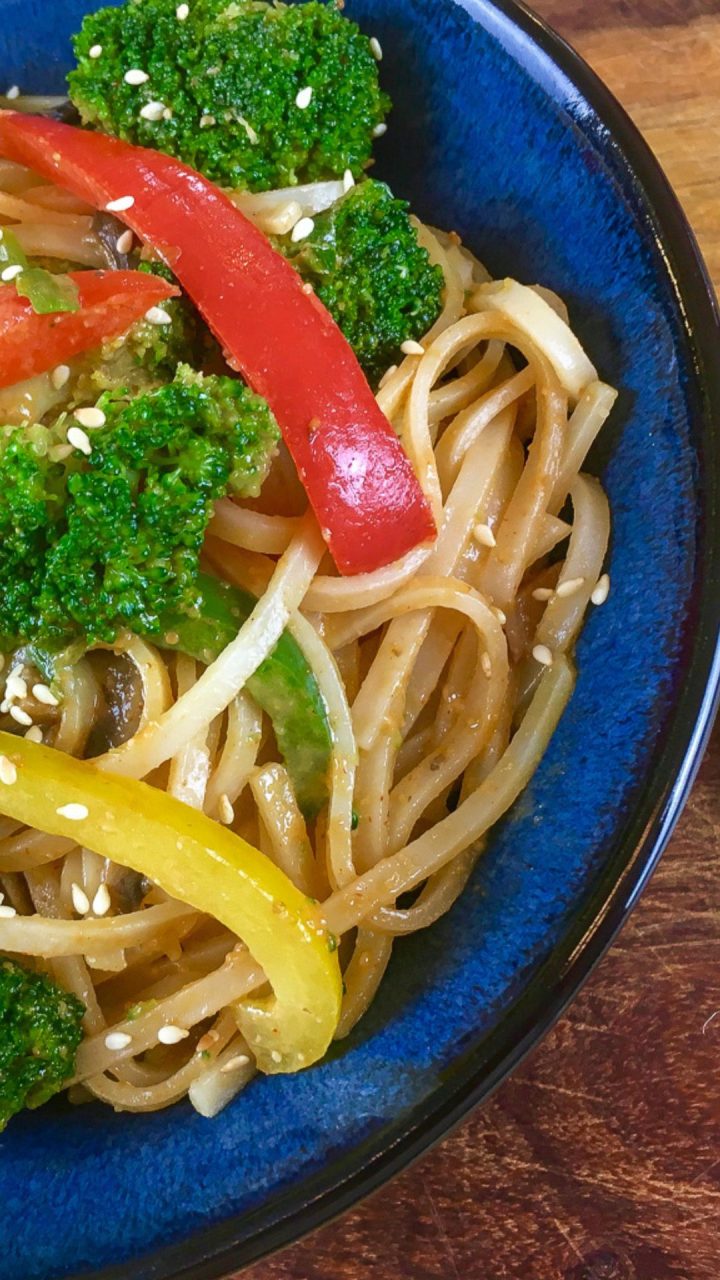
(110, 301)
(367, 499)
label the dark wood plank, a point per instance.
(600, 1160)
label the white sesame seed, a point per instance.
(484, 535)
(602, 590)
(542, 654)
(412, 348)
(101, 902)
(117, 1040)
(304, 98)
(79, 440)
(569, 587)
(11, 273)
(302, 229)
(182, 12)
(234, 1064)
(156, 315)
(73, 812)
(348, 180)
(120, 205)
(7, 912)
(226, 811)
(376, 48)
(80, 899)
(94, 51)
(124, 243)
(8, 772)
(501, 617)
(59, 376)
(20, 716)
(379, 130)
(486, 665)
(59, 452)
(172, 1035)
(90, 417)
(276, 1057)
(135, 76)
(207, 121)
(15, 686)
(34, 734)
(152, 111)
(13, 92)
(43, 694)
(167, 113)
(543, 593)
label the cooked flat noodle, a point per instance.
(443, 677)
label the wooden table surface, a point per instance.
(600, 1160)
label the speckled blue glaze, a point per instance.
(490, 137)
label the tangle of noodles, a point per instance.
(443, 675)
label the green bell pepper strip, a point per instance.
(283, 685)
(46, 293)
(200, 862)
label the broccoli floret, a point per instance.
(92, 544)
(227, 79)
(365, 263)
(40, 1030)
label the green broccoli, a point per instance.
(365, 263)
(221, 87)
(40, 1030)
(92, 544)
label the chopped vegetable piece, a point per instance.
(46, 292)
(283, 685)
(110, 301)
(368, 501)
(40, 1030)
(206, 865)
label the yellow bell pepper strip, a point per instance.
(206, 865)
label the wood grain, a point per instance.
(600, 1160)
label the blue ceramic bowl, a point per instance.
(502, 133)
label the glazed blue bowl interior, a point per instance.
(492, 138)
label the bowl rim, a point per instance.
(238, 1241)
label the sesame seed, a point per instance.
(182, 12)
(13, 92)
(276, 1057)
(543, 593)
(172, 1035)
(376, 48)
(120, 205)
(348, 180)
(73, 812)
(602, 590)
(307, 288)
(207, 121)
(11, 273)
(90, 417)
(157, 315)
(15, 686)
(234, 1064)
(78, 439)
(7, 912)
(302, 229)
(8, 772)
(484, 535)
(34, 734)
(80, 900)
(117, 1040)
(124, 243)
(501, 617)
(227, 813)
(304, 98)
(412, 348)
(152, 111)
(20, 716)
(60, 375)
(486, 665)
(569, 587)
(542, 654)
(59, 452)
(207, 1041)
(94, 51)
(101, 901)
(43, 694)
(379, 130)
(135, 76)
(167, 113)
